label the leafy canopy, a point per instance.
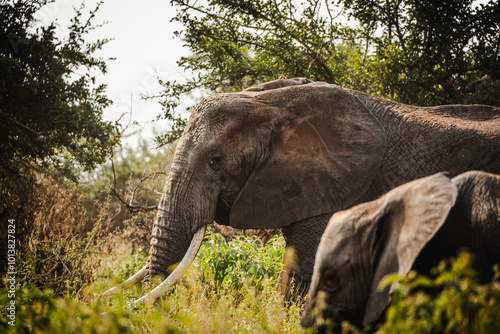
(434, 52)
(416, 52)
(50, 105)
(50, 110)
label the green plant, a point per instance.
(414, 52)
(51, 109)
(191, 307)
(462, 305)
(40, 312)
(65, 243)
(229, 264)
(51, 104)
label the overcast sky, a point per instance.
(144, 45)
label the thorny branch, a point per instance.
(142, 180)
(131, 207)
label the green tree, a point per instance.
(433, 52)
(50, 108)
(416, 52)
(238, 43)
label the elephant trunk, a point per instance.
(179, 270)
(308, 317)
(171, 279)
(182, 212)
(178, 229)
(168, 246)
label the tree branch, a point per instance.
(311, 52)
(21, 125)
(131, 208)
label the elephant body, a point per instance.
(472, 224)
(421, 141)
(290, 153)
(412, 227)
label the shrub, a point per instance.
(452, 301)
(228, 264)
(63, 246)
(40, 312)
(462, 305)
(72, 228)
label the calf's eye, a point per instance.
(330, 280)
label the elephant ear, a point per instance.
(408, 217)
(325, 149)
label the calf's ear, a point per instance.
(406, 220)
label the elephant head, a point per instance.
(369, 241)
(260, 158)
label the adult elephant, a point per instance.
(289, 153)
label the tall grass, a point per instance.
(246, 303)
(223, 292)
(64, 244)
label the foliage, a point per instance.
(50, 106)
(430, 52)
(208, 303)
(75, 226)
(462, 305)
(40, 312)
(422, 53)
(138, 175)
(236, 44)
(190, 307)
(453, 301)
(138, 168)
(229, 265)
(50, 109)
(65, 242)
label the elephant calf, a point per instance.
(414, 226)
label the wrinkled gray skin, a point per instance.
(289, 153)
(414, 226)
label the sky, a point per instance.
(144, 46)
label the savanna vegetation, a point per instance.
(83, 221)
(415, 52)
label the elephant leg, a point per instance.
(302, 240)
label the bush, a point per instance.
(452, 301)
(232, 288)
(462, 306)
(40, 312)
(63, 247)
(228, 264)
(71, 230)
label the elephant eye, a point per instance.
(215, 159)
(330, 280)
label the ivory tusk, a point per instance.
(193, 249)
(128, 283)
